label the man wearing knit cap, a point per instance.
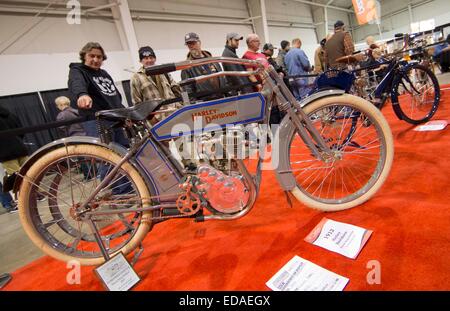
(144, 88)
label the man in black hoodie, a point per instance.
(13, 152)
(230, 51)
(93, 88)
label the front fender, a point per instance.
(280, 163)
(59, 143)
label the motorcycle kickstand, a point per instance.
(98, 238)
(288, 197)
(137, 253)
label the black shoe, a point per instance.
(12, 210)
(4, 279)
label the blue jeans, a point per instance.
(300, 88)
(5, 198)
(90, 127)
(122, 185)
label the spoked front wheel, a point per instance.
(415, 94)
(64, 178)
(361, 154)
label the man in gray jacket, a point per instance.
(285, 47)
(68, 113)
(192, 41)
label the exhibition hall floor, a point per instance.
(409, 216)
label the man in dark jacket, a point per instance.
(192, 41)
(93, 88)
(268, 51)
(231, 46)
(285, 47)
(275, 115)
(338, 45)
(13, 152)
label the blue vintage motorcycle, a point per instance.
(103, 198)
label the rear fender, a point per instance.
(120, 150)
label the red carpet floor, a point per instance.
(409, 216)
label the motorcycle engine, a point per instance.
(214, 159)
(226, 194)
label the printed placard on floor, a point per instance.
(339, 237)
(117, 274)
(435, 125)
(302, 275)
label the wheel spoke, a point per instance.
(66, 183)
(356, 155)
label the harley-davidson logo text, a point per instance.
(213, 114)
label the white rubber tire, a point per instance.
(98, 151)
(370, 110)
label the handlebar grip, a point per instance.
(356, 52)
(160, 69)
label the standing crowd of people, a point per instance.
(92, 89)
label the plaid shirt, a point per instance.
(349, 48)
(144, 88)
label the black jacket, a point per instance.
(98, 84)
(11, 147)
(204, 86)
(275, 65)
(233, 80)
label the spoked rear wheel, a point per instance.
(361, 158)
(65, 177)
(416, 94)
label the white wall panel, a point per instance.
(229, 8)
(170, 35)
(55, 35)
(308, 37)
(38, 72)
(288, 11)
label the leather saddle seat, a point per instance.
(139, 112)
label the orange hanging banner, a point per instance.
(366, 10)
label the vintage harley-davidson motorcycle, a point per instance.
(332, 151)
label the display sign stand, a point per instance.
(117, 274)
(104, 250)
(137, 253)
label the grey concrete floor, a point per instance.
(444, 78)
(16, 249)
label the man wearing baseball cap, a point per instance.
(231, 45)
(268, 51)
(144, 88)
(339, 45)
(193, 43)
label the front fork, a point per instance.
(303, 125)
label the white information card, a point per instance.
(117, 274)
(339, 237)
(302, 275)
(435, 125)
